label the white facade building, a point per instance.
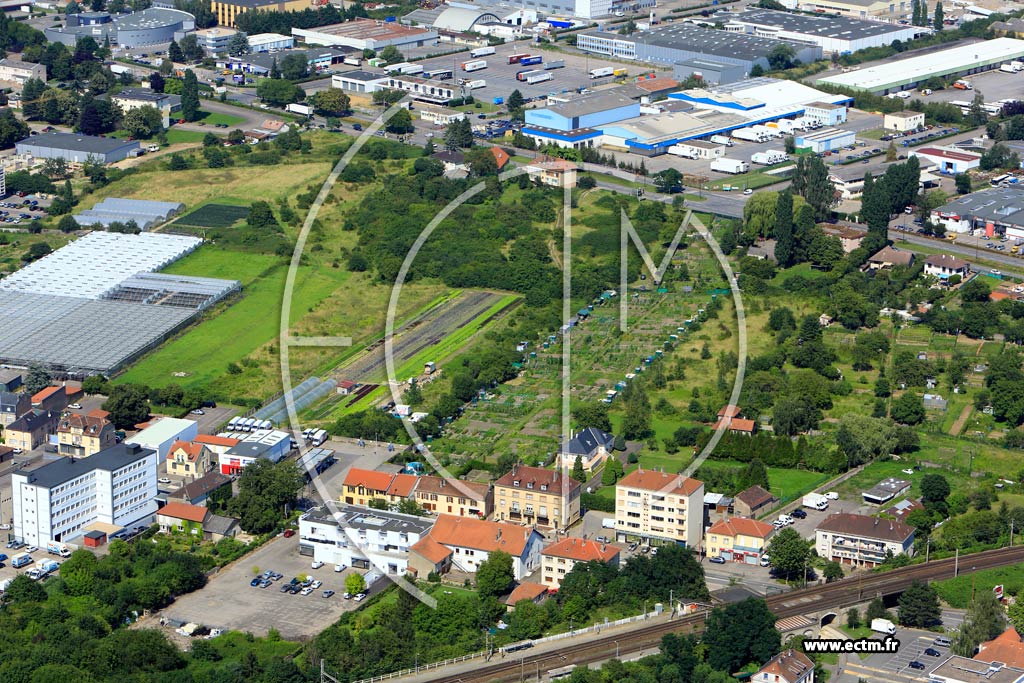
(161, 434)
(861, 540)
(361, 537)
(652, 505)
(58, 501)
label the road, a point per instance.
(817, 600)
(719, 204)
(1009, 265)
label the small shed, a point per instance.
(94, 539)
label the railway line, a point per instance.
(820, 598)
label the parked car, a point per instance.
(360, 597)
(288, 533)
(339, 567)
(932, 652)
(716, 560)
(328, 593)
(163, 480)
(917, 665)
(286, 588)
(307, 590)
(799, 514)
(347, 596)
(316, 564)
(73, 406)
(255, 582)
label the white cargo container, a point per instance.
(352, 61)
(750, 135)
(602, 72)
(473, 85)
(475, 65)
(303, 109)
(537, 77)
(769, 157)
(721, 140)
(481, 52)
(682, 151)
(732, 166)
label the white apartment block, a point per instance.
(655, 506)
(59, 501)
(361, 537)
(862, 541)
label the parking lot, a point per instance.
(15, 210)
(895, 667)
(229, 602)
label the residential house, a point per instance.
(903, 508)
(849, 236)
(50, 398)
(400, 488)
(559, 558)
(752, 501)
(861, 540)
(29, 431)
(534, 592)
(13, 405)
(890, 257)
(501, 158)
(16, 71)
(553, 172)
(182, 518)
(655, 506)
(463, 543)
(945, 266)
(84, 435)
(534, 495)
(188, 459)
(218, 445)
(212, 486)
(361, 487)
(789, 666)
(738, 539)
(362, 538)
(885, 490)
(1007, 648)
(591, 445)
(454, 497)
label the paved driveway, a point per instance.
(228, 601)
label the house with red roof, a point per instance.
(655, 506)
(50, 398)
(534, 592)
(789, 666)
(463, 543)
(218, 445)
(738, 539)
(182, 518)
(559, 558)
(363, 486)
(1007, 648)
(189, 459)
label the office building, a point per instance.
(656, 507)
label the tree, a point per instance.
(143, 122)
(669, 181)
(919, 606)
(278, 91)
(833, 572)
(156, 82)
(1015, 613)
(391, 55)
(740, 633)
(332, 102)
(190, 96)
(637, 422)
(458, 134)
(977, 115)
(190, 48)
(37, 379)
(592, 414)
(95, 384)
(265, 492)
(56, 168)
(984, 621)
(128, 405)
(23, 590)
(789, 553)
(852, 616)
(963, 183)
(998, 156)
(781, 56)
(934, 492)
(939, 16)
(890, 152)
(785, 247)
(72, 8)
(31, 98)
(515, 104)
(294, 66)
(578, 472)
(238, 45)
(494, 576)
(814, 186)
(400, 123)
(174, 53)
(97, 116)
(67, 224)
(177, 162)
(908, 409)
(355, 584)
(612, 472)
(876, 610)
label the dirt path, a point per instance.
(958, 425)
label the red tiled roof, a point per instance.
(479, 534)
(431, 484)
(755, 496)
(581, 550)
(738, 424)
(211, 440)
(657, 84)
(500, 156)
(88, 424)
(192, 513)
(368, 479)
(866, 527)
(538, 476)
(651, 480)
(402, 485)
(1006, 648)
(98, 412)
(430, 549)
(741, 526)
(526, 591)
(729, 411)
(788, 665)
(948, 154)
(45, 394)
(192, 450)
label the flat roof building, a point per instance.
(825, 140)
(585, 112)
(227, 11)
(150, 26)
(958, 669)
(15, 71)
(362, 538)
(886, 490)
(163, 432)
(367, 34)
(834, 35)
(907, 73)
(999, 211)
(78, 148)
(678, 42)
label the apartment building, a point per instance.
(361, 537)
(534, 495)
(189, 459)
(460, 498)
(463, 543)
(59, 501)
(861, 540)
(84, 435)
(653, 506)
(558, 559)
(738, 539)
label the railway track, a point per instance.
(819, 598)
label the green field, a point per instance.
(175, 136)
(214, 216)
(957, 592)
(213, 118)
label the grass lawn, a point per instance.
(873, 134)
(752, 180)
(790, 484)
(213, 118)
(957, 592)
(175, 136)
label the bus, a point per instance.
(999, 179)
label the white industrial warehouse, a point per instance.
(908, 73)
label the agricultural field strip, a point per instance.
(213, 216)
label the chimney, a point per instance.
(498, 537)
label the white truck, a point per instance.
(602, 72)
(684, 151)
(768, 158)
(475, 65)
(817, 501)
(732, 166)
(481, 52)
(58, 549)
(303, 109)
(750, 135)
(473, 85)
(319, 437)
(883, 626)
(352, 60)
(721, 140)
